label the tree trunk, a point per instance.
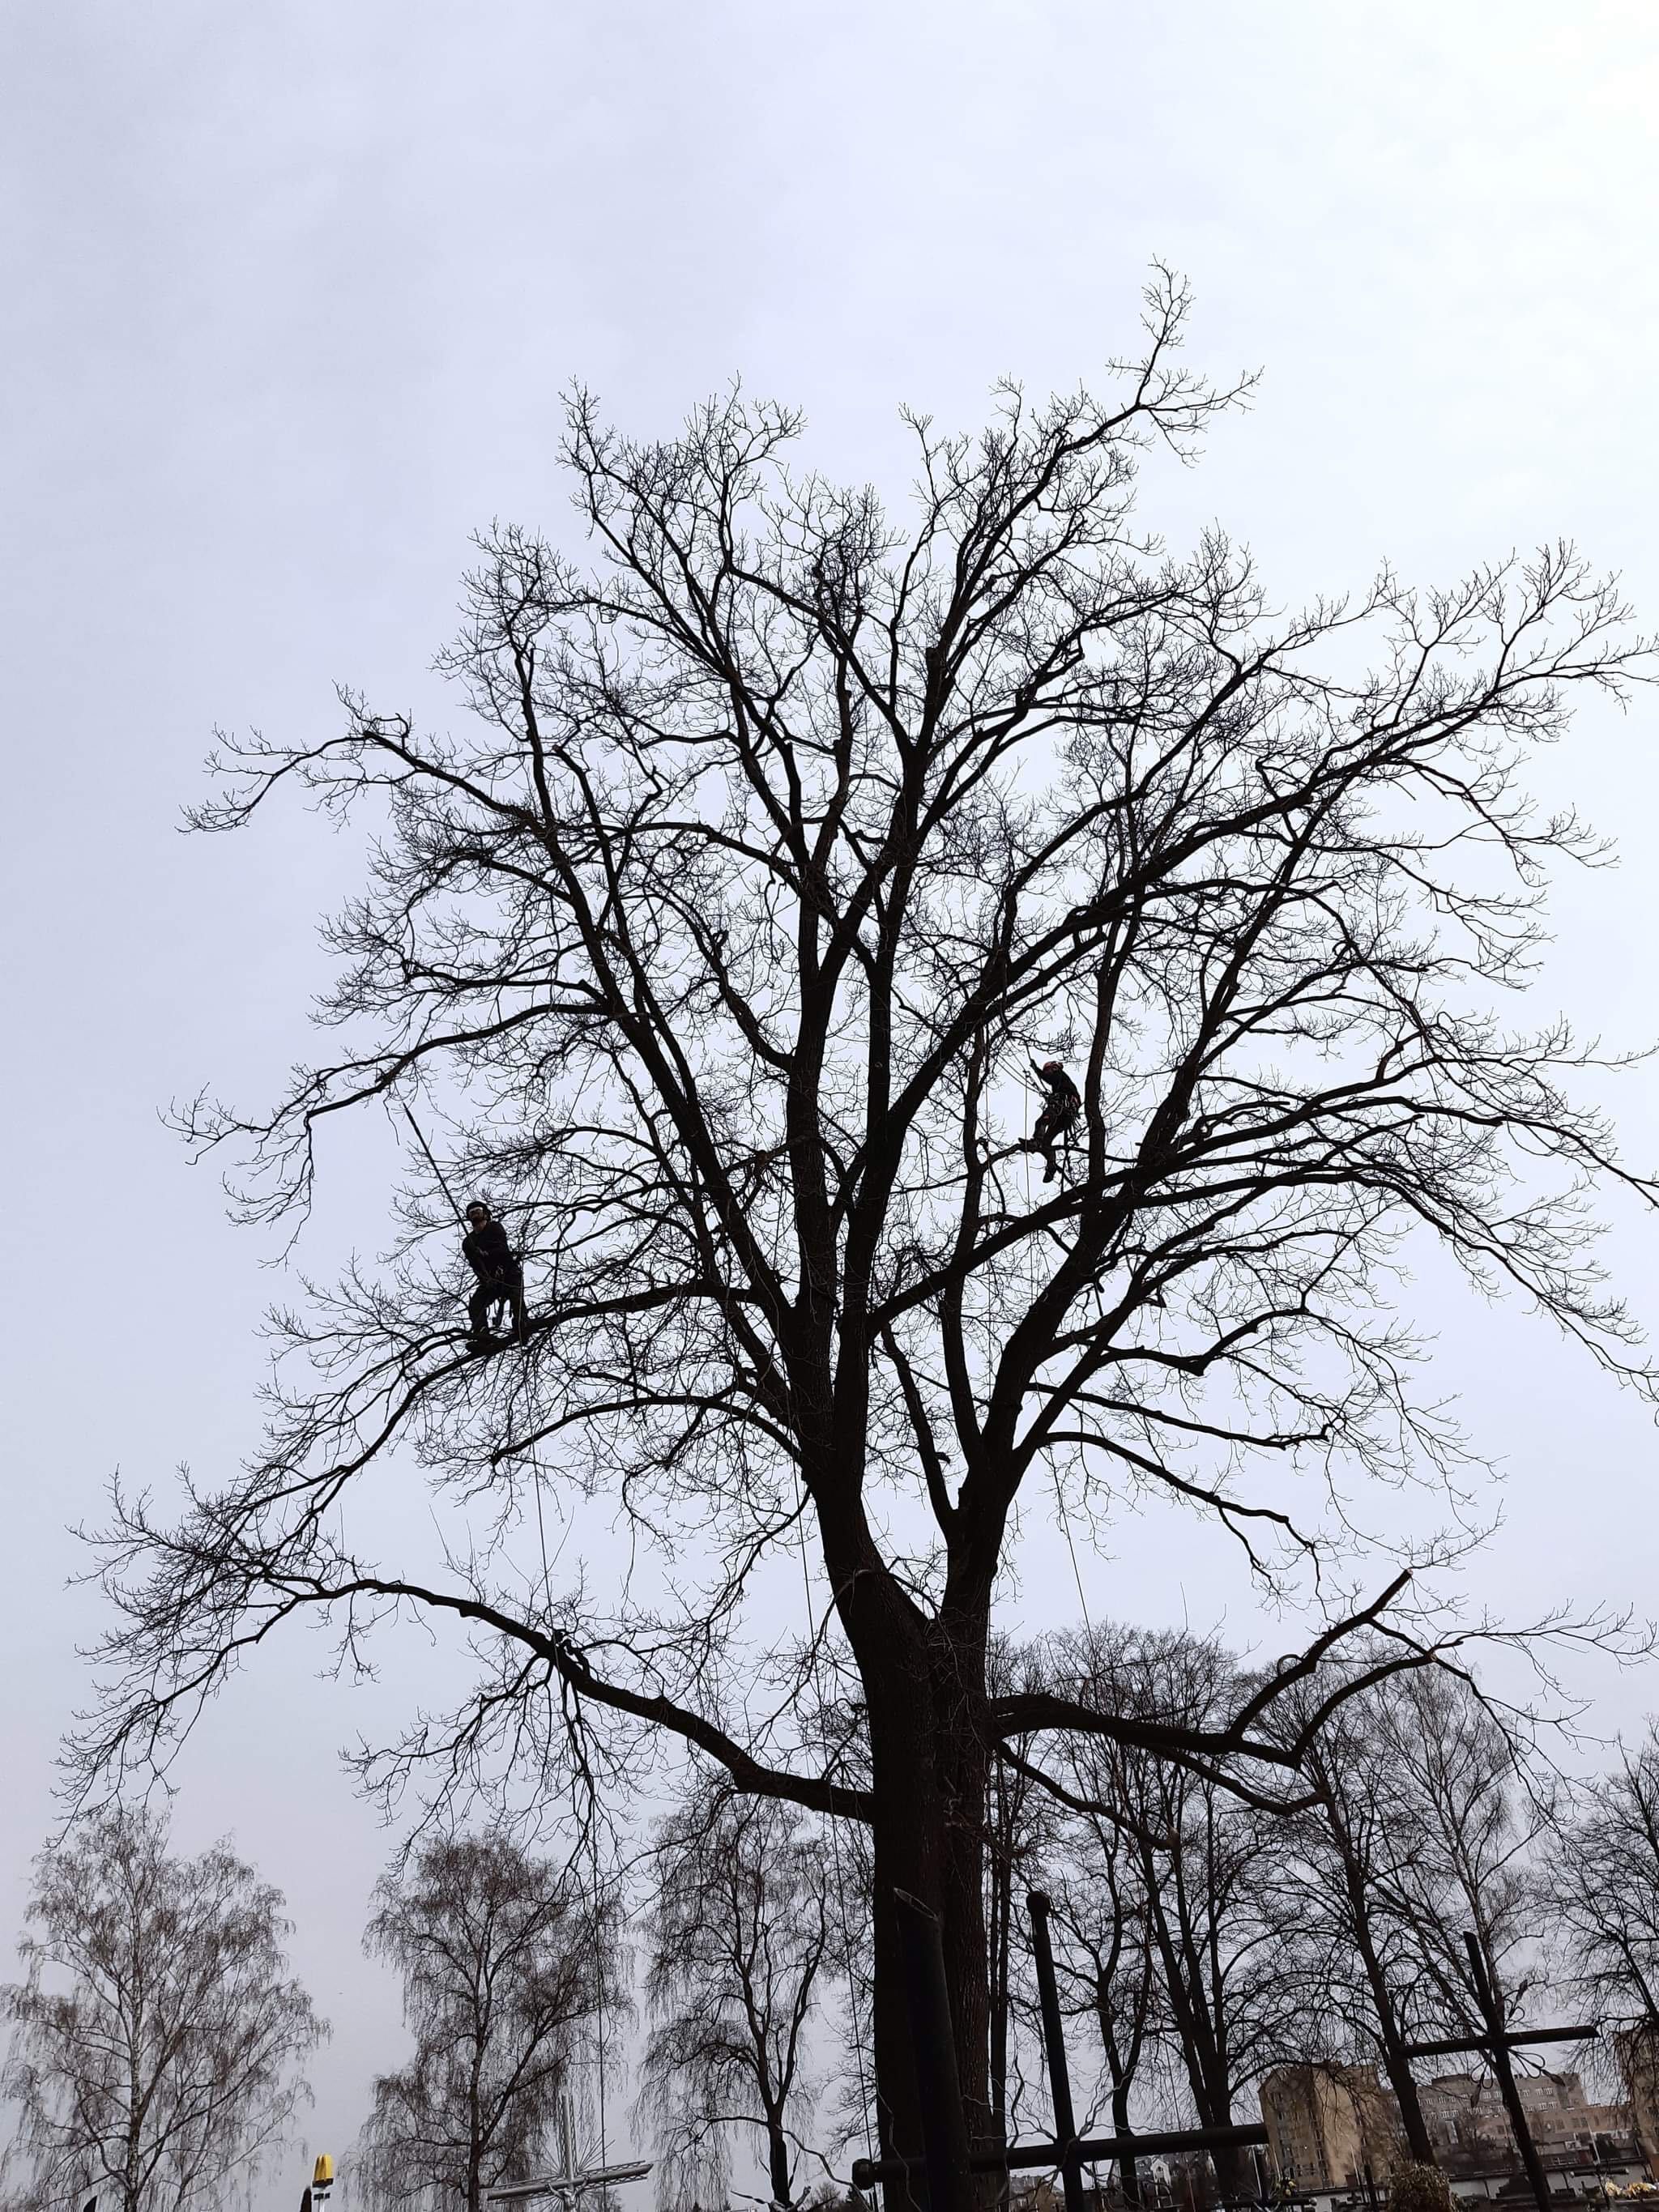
(1397, 2066)
(1128, 2174)
(474, 2128)
(1394, 2062)
(132, 2023)
(929, 1777)
(777, 2160)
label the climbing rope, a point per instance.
(864, 2100)
(599, 2007)
(593, 1844)
(1060, 1495)
(835, 1832)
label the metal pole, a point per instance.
(938, 2089)
(1054, 2043)
(1486, 1999)
(1091, 2150)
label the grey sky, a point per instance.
(288, 291)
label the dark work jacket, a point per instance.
(1062, 1091)
(488, 1252)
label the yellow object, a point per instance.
(322, 2174)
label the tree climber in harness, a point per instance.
(501, 1278)
(1059, 1112)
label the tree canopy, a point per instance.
(158, 2034)
(505, 1970)
(780, 832)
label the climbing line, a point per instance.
(594, 1848)
(1066, 1526)
(801, 1495)
(598, 1986)
(834, 1831)
(546, 1599)
(1053, 1470)
(592, 1838)
(541, 1532)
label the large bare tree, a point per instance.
(778, 834)
(506, 1967)
(158, 2036)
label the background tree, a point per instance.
(1600, 1887)
(1202, 1861)
(1348, 1901)
(739, 1937)
(1108, 1956)
(1479, 1816)
(157, 2036)
(1018, 1823)
(718, 938)
(1425, 1819)
(505, 1968)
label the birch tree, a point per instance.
(158, 2035)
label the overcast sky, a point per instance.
(289, 292)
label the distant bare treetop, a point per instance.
(505, 1969)
(157, 2036)
(716, 944)
(740, 1940)
(1601, 1891)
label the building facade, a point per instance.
(1333, 2128)
(1471, 2134)
(1637, 2052)
(1327, 2125)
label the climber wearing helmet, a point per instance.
(1059, 1112)
(495, 1264)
